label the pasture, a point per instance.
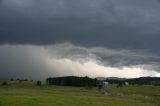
(28, 94)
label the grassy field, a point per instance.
(28, 94)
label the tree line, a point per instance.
(72, 81)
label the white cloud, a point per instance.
(92, 69)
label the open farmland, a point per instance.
(28, 94)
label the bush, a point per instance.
(39, 83)
(11, 79)
(20, 81)
(4, 83)
(100, 86)
(25, 79)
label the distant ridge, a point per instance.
(141, 80)
(110, 78)
(145, 80)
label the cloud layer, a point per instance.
(39, 62)
(118, 35)
(108, 23)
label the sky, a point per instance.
(95, 38)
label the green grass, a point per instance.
(28, 94)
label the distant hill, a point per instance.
(101, 78)
(145, 80)
(140, 81)
(115, 78)
(110, 78)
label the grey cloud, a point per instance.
(109, 57)
(113, 33)
(1, 1)
(118, 24)
(39, 62)
(17, 62)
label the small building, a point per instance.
(126, 83)
(105, 84)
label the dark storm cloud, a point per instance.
(114, 33)
(17, 62)
(109, 23)
(40, 62)
(107, 57)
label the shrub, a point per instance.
(11, 79)
(20, 81)
(25, 79)
(4, 83)
(39, 83)
(100, 86)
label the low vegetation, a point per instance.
(27, 93)
(4, 83)
(39, 83)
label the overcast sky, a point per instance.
(45, 38)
